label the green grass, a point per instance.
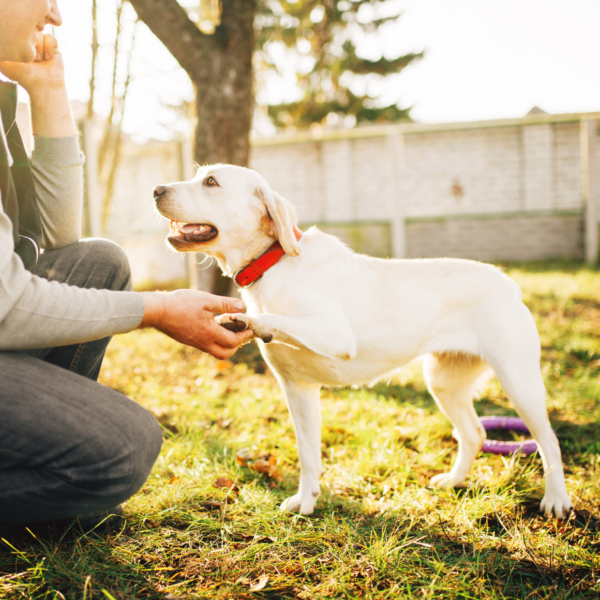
(378, 531)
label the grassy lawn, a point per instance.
(378, 531)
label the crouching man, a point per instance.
(70, 448)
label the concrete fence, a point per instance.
(515, 189)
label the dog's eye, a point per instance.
(210, 181)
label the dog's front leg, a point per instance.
(327, 333)
(303, 400)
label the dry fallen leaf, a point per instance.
(242, 457)
(260, 584)
(267, 466)
(224, 365)
(223, 482)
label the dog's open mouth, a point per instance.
(192, 232)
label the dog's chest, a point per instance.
(304, 365)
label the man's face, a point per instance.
(20, 22)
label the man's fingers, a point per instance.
(224, 304)
(50, 46)
(222, 353)
(39, 47)
(229, 339)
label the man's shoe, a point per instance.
(103, 522)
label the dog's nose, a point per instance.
(159, 190)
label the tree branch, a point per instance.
(170, 23)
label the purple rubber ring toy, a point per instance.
(526, 447)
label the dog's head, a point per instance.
(224, 210)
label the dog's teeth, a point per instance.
(195, 228)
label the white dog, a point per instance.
(339, 318)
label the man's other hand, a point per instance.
(46, 70)
(187, 316)
(44, 80)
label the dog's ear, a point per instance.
(279, 220)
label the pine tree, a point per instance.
(328, 32)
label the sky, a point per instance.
(484, 59)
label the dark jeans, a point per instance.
(70, 446)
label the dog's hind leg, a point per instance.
(514, 354)
(452, 379)
(303, 400)
(522, 381)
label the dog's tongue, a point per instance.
(194, 228)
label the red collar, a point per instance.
(247, 275)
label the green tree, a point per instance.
(219, 41)
(326, 34)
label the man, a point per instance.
(69, 447)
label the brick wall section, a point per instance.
(374, 240)
(141, 170)
(477, 171)
(518, 173)
(334, 181)
(499, 239)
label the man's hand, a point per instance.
(187, 316)
(44, 80)
(47, 69)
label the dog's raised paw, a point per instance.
(232, 323)
(234, 326)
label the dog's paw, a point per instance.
(305, 505)
(235, 323)
(558, 505)
(240, 322)
(444, 481)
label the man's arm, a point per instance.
(36, 313)
(56, 161)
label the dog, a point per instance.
(324, 315)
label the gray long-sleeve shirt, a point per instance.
(34, 312)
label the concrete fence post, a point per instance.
(395, 165)
(589, 188)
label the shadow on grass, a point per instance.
(71, 567)
(418, 551)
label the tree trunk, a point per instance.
(220, 67)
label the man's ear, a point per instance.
(279, 220)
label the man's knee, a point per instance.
(143, 444)
(111, 262)
(119, 458)
(147, 436)
(91, 263)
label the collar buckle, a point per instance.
(242, 287)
